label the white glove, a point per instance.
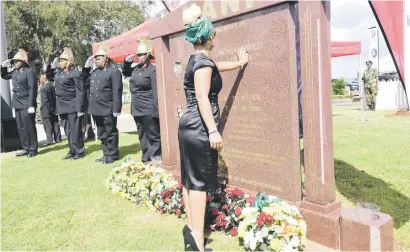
(89, 62)
(6, 63)
(134, 65)
(130, 58)
(116, 114)
(54, 65)
(80, 114)
(31, 110)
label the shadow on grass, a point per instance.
(54, 147)
(358, 186)
(124, 150)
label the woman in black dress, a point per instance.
(144, 104)
(199, 138)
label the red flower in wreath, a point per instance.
(234, 232)
(215, 211)
(238, 211)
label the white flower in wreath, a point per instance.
(291, 221)
(278, 229)
(249, 211)
(288, 248)
(250, 240)
(295, 242)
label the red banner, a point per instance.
(344, 48)
(126, 43)
(389, 15)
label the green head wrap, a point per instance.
(199, 31)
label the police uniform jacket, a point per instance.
(143, 87)
(105, 93)
(24, 83)
(70, 91)
(47, 100)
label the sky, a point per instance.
(350, 21)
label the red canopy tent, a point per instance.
(126, 43)
(345, 48)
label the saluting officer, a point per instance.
(144, 104)
(47, 110)
(71, 101)
(24, 100)
(105, 101)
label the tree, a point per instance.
(44, 28)
(338, 87)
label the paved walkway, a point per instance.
(125, 123)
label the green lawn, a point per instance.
(372, 163)
(50, 204)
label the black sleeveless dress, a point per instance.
(199, 162)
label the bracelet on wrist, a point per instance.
(212, 131)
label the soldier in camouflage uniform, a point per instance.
(371, 85)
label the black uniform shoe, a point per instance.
(68, 156)
(22, 153)
(32, 154)
(76, 157)
(102, 159)
(109, 161)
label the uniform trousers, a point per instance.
(371, 95)
(107, 132)
(149, 136)
(73, 129)
(26, 124)
(52, 128)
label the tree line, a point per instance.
(44, 28)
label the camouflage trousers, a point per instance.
(371, 94)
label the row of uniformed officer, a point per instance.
(144, 104)
(71, 101)
(104, 101)
(24, 102)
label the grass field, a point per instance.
(50, 204)
(372, 163)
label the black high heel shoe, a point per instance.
(186, 229)
(189, 241)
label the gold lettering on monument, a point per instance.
(253, 183)
(234, 49)
(252, 156)
(228, 27)
(209, 10)
(233, 6)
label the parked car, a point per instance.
(353, 86)
(386, 76)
